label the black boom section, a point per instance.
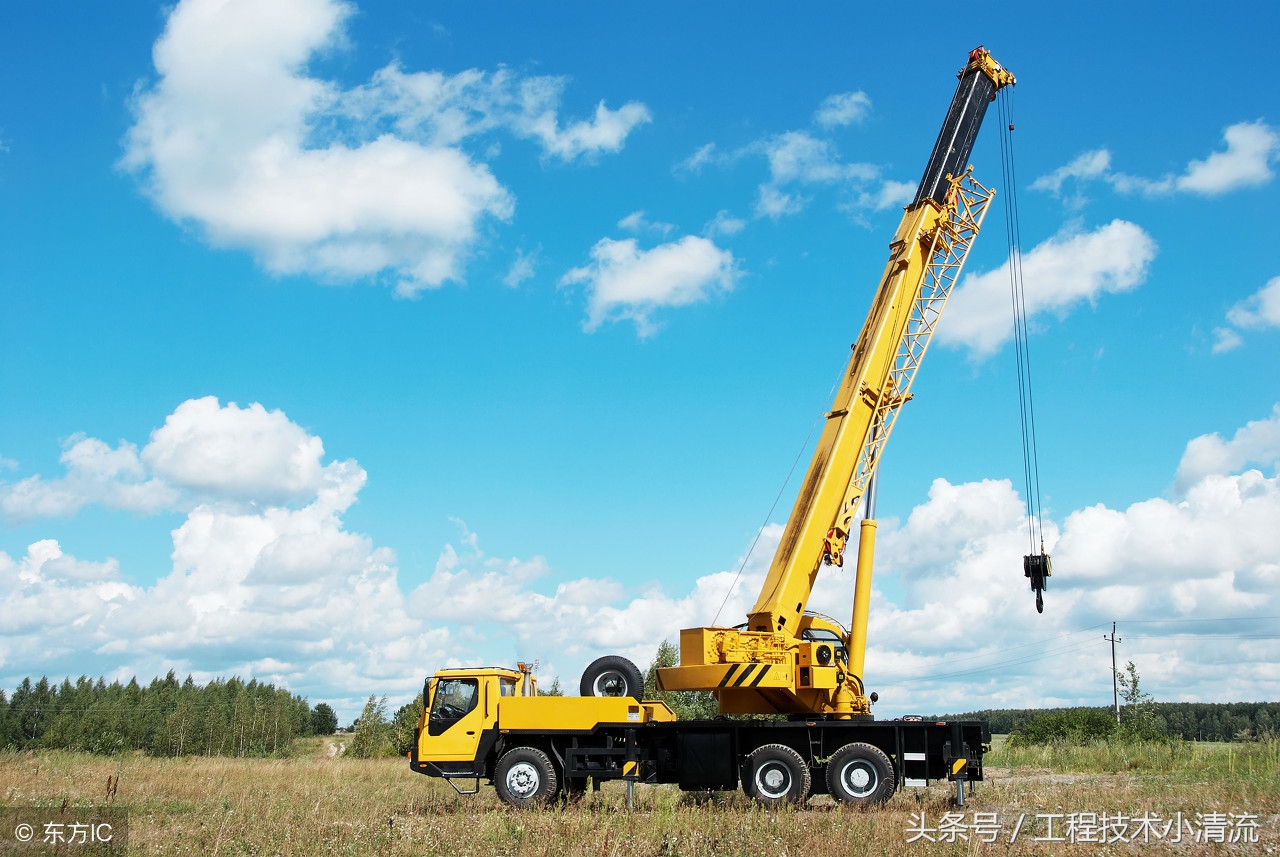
(955, 142)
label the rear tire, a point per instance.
(775, 775)
(612, 675)
(860, 775)
(525, 778)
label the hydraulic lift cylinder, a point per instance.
(862, 597)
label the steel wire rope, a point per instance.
(785, 482)
(1022, 351)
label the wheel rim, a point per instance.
(773, 780)
(859, 778)
(523, 780)
(610, 683)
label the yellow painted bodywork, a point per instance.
(830, 496)
(460, 742)
(578, 712)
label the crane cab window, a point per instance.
(507, 687)
(822, 635)
(454, 699)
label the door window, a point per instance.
(454, 699)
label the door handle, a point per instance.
(472, 732)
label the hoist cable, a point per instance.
(1026, 343)
(1013, 268)
(1022, 351)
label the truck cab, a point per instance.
(489, 722)
(459, 707)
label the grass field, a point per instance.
(317, 804)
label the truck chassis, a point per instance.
(775, 762)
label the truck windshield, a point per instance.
(454, 698)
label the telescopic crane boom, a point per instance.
(784, 659)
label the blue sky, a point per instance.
(525, 313)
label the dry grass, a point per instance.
(314, 804)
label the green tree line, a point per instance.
(226, 717)
(1191, 721)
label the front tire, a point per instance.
(525, 778)
(612, 675)
(860, 775)
(775, 775)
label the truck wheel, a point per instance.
(860, 774)
(612, 675)
(775, 774)
(525, 777)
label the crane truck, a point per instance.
(803, 668)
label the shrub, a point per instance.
(404, 724)
(1072, 725)
(374, 732)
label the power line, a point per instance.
(1219, 619)
(1208, 636)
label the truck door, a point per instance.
(455, 721)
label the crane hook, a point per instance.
(1037, 568)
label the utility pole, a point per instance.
(1115, 690)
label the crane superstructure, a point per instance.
(784, 659)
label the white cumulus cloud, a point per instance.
(844, 108)
(289, 594)
(523, 267)
(1251, 148)
(229, 451)
(626, 282)
(204, 452)
(96, 473)
(1257, 442)
(1260, 310)
(236, 138)
(798, 159)
(1068, 269)
(802, 161)
(1086, 166)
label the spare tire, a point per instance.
(612, 675)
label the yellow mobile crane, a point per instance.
(490, 723)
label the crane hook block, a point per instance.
(1037, 568)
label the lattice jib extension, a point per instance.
(949, 245)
